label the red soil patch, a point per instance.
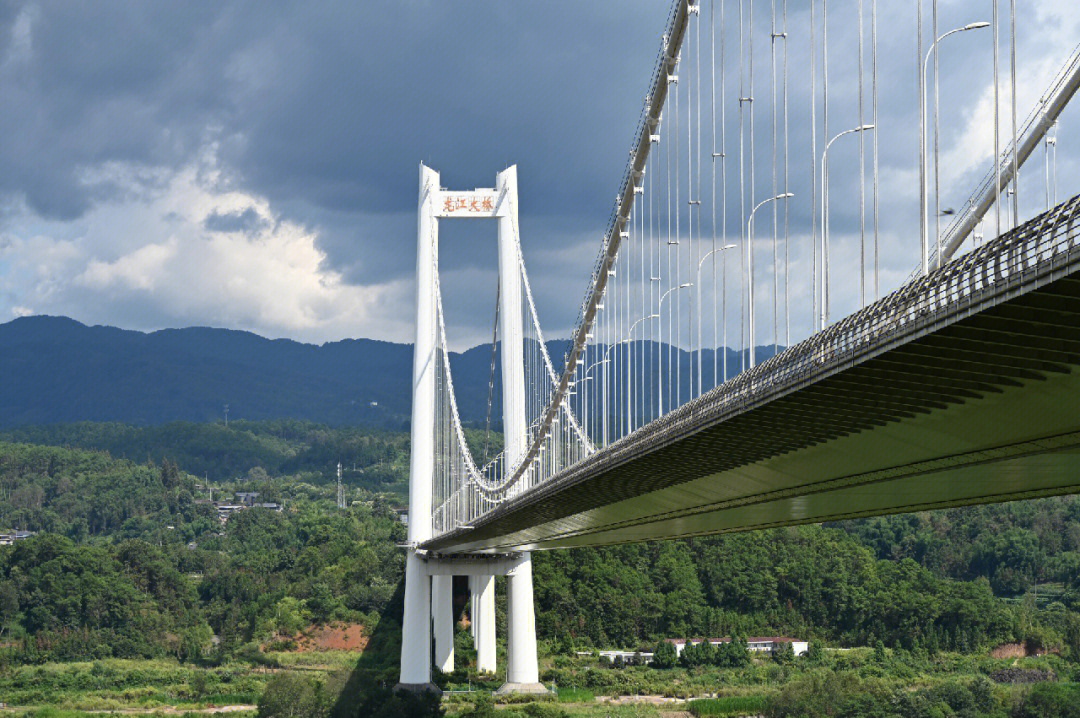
(331, 637)
(1017, 650)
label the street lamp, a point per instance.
(923, 142)
(698, 293)
(750, 268)
(659, 371)
(825, 222)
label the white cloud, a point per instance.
(152, 255)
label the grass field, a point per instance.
(586, 687)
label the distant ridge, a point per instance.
(56, 369)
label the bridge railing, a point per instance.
(1044, 242)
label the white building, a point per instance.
(626, 656)
(754, 644)
(7, 539)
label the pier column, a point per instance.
(522, 672)
(472, 608)
(483, 602)
(416, 623)
(442, 611)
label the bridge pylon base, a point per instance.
(418, 688)
(532, 689)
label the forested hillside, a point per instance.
(128, 562)
(58, 370)
(120, 537)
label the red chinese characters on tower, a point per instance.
(471, 202)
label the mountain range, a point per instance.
(57, 370)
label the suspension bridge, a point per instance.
(957, 387)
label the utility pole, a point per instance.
(226, 416)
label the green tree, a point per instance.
(783, 653)
(1050, 700)
(290, 616)
(290, 695)
(665, 655)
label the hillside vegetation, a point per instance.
(131, 563)
(957, 580)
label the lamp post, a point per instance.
(824, 283)
(750, 269)
(659, 372)
(698, 293)
(923, 170)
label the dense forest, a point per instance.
(127, 563)
(131, 560)
(373, 459)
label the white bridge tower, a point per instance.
(428, 577)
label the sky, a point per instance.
(253, 165)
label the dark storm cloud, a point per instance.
(325, 109)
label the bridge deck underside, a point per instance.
(980, 404)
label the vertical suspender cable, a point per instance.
(676, 300)
(643, 393)
(876, 132)
(1054, 168)
(825, 127)
(1012, 94)
(1046, 168)
(787, 209)
(742, 182)
(813, 169)
(997, 127)
(862, 171)
(723, 185)
(697, 200)
(676, 303)
(921, 85)
(775, 184)
(667, 271)
(937, 140)
(749, 242)
(654, 283)
(712, 172)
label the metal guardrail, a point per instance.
(986, 273)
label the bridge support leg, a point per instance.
(472, 608)
(442, 611)
(416, 625)
(484, 621)
(416, 628)
(522, 671)
(522, 674)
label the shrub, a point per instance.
(783, 654)
(1050, 700)
(727, 706)
(698, 654)
(665, 655)
(289, 695)
(575, 695)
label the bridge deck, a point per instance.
(957, 389)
